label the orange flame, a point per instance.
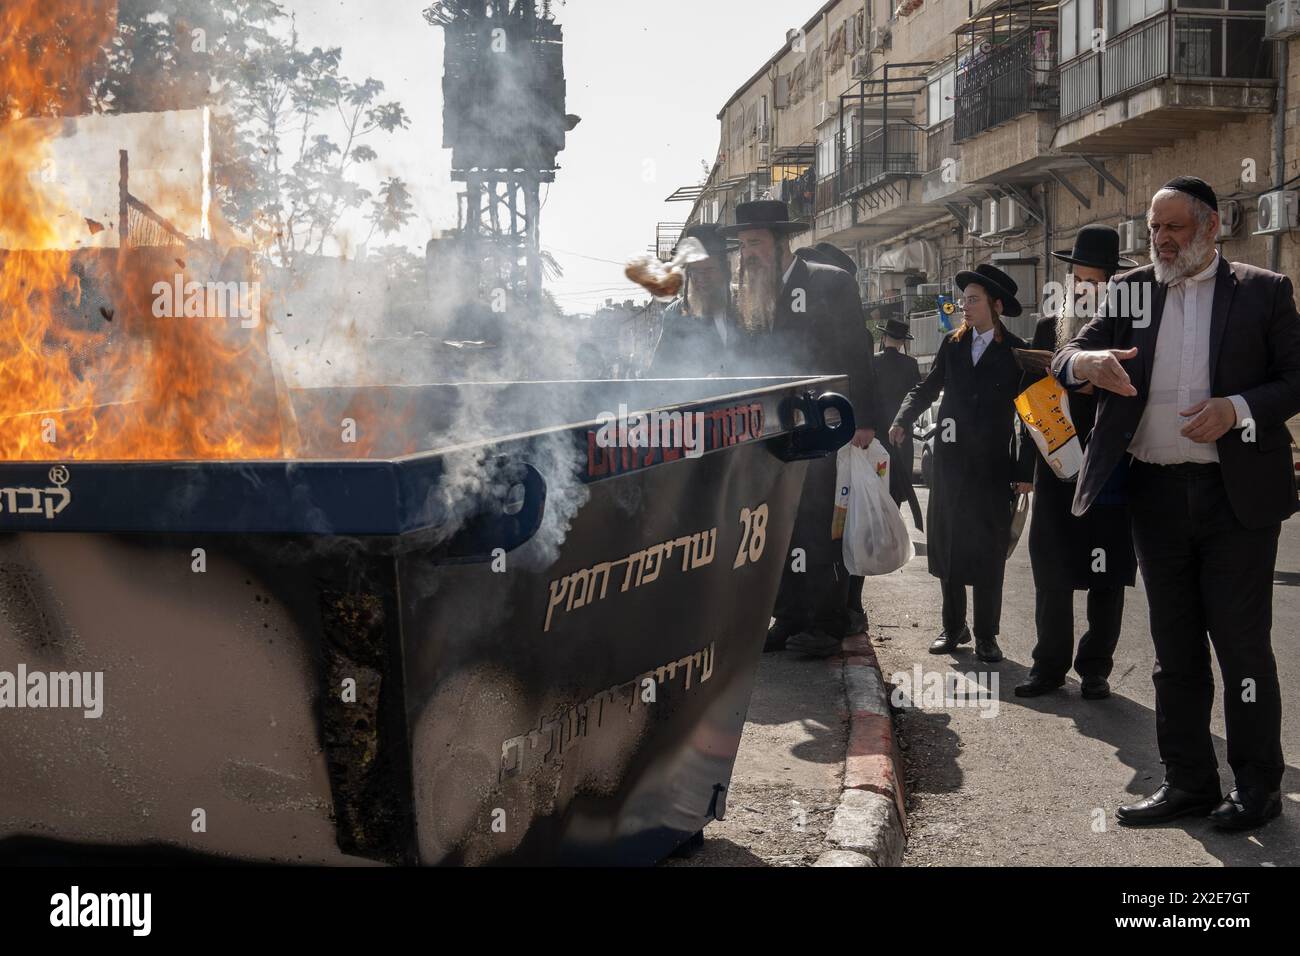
(103, 378)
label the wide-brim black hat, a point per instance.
(827, 255)
(770, 214)
(1098, 247)
(837, 257)
(896, 329)
(999, 285)
(707, 234)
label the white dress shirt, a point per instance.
(1180, 375)
(979, 343)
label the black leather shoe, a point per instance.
(1167, 803)
(814, 643)
(1038, 686)
(987, 650)
(944, 644)
(857, 621)
(777, 635)
(1095, 688)
(1245, 810)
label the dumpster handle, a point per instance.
(497, 528)
(811, 436)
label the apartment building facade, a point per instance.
(926, 137)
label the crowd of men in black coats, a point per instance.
(1180, 394)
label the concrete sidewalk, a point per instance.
(1037, 782)
(786, 784)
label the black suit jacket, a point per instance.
(828, 337)
(896, 374)
(1254, 353)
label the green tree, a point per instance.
(292, 133)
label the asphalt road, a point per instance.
(1037, 781)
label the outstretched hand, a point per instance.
(1103, 369)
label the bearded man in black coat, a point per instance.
(1195, 362)
(1092, 552)
(800, 317)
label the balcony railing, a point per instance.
(895, 149)
(1201, 47)
(1018, 76)
(939, 145)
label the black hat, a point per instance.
(998, 283)
(895, 329)
(837, 257)
(770, 214)
(707, 233)
(1194, 187)
(827, 255)
(1096, 246)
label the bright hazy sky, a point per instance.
(647, 78)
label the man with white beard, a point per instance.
(801, 317)
(1194, 388)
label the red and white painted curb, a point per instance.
(870, 823)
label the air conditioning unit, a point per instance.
(827, 110)
(862, 65)
(1282, 19)
(1134, 236)
(1277, 212)
(880, 39)
(974, 225)
(1229, 218)
(989, 216)
(1010, 216)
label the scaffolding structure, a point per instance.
(504, 120)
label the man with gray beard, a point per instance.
(1195, 383)
(801, 317)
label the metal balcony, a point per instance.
(1176, 46)
(1020, 75)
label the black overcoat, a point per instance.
(828, 337)
(1063, 548)
(896, 375)
(976, 458)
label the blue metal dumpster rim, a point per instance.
(375, 497)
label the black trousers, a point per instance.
(1054, 619)
(988, 606)
(815, 597)
(1206, 573)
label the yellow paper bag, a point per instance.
(1045, 409)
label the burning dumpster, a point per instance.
(535, 647)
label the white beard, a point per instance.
(1186, 263)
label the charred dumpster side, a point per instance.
(308, 661)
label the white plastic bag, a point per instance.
(875, 538)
